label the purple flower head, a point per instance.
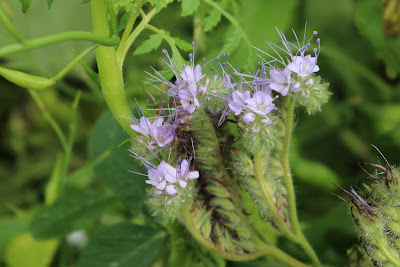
(164, 134)
(303, 65)
(238, 101)
(184, 174)
(191, 74)
(188, 98)
(249, 117)
(145, 126)
(279, 80)
(261, 103)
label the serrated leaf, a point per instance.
(150, 44)
(182, 44)
(49, 3)
(25, 5)
(212, 20)
(189, 6)
(232, 42)
(130, 188)
(69, 213)
(122, 245)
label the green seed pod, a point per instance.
(26, 80)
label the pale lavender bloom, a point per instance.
(171, 190)
(303, 65)
(192, 74)
(261, 103)
(183, 173)
(164, 134)
(238, 101)
(249, 117)
(279, 80)
(158, 176)
(188, 98)
(145, 126)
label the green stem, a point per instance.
(10, 27)
(260, 180)
(76, 60)
(301, 240)
(283, 257)
(124, 47)
(110, 73)
(57, 38)
(53, 123)
(113, 18)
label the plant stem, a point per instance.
(10, 27)
(282, 256)
(124, 47)
(301, 240)
(57, 38)
(110, 73)
(390, 257)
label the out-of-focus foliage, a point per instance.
(360, 44)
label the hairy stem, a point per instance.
(110, 73)
(57, 38)
(301, 240)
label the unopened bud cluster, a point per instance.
(376, 213)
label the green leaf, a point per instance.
(150, 44)
(24, 251)
(182, 44)
(49, 3)
(25, 5)
(9, 229)
(124, 21)
(69, 213)
(189, 6)
(369, 21)
(232, 42)
(107, 135)
(212, 20)
(122, 245)
(85, 1)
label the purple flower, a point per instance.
(192, 74)
(279, 80)
(158, 176)
(238, 101)
(164, 134)
(261, 103)
(303, 65)
(249, 117)
(188, 98)
(183, 173)
(144, 126)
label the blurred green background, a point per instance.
(360, 57)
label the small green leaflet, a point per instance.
(25, 5)
(150, 44)
(159, 4)
(182, 44)
(212, 20)
(233, 42)
(189, 6)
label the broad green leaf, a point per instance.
(150, 44)
(122, 245)
(107, 135)
(69, 213)
(25, 251)
(9, 229)
(182, 44)
(212, 20)
(189, 6)
(25, 5)
(369, 21)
